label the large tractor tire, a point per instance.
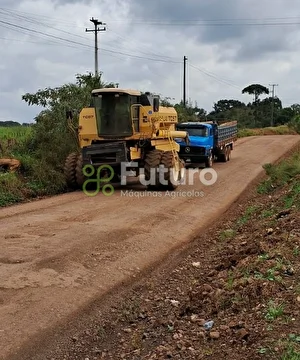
(80, 178)
(152, 161)
(173, 176)
(70, 170)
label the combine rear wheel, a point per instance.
(80, 178)
(70, 170)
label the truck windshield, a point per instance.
(196, 131)
(113, 114)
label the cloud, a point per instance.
(144, 45)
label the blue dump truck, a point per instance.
(208, 142)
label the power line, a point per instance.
(214, 77)
(193, 22)
(85, 45)
(223, 20)
(33, 21)
(67, 32)
(42, 33)
(158, 20)
(130, 40)
(215, 24)
(36, 42)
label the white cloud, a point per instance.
(222, 59)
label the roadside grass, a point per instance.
(40, 173)
(277, 261)
(275, 130)
(274, 311)
(286, 172)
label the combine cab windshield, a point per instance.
(202, 131)
(113, 114)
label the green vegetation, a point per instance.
(274, 311)
(275, 130)
(14, 132)
(42, 147)
(227, 234)
(283, 173)
(252, 116)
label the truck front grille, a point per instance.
(185, 150)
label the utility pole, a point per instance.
(184, 80)
(95, 30)
(272, 111)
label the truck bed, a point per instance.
(227, 132)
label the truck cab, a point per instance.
(201, 141)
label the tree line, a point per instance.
(261, 112)
(256, 114)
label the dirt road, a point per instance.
(59, 253)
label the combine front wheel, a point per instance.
(175, 169)
(152, 162)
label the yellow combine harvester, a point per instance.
(127, 127)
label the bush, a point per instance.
(294, 124)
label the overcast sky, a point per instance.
(229, 45)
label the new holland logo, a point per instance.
(187, 149)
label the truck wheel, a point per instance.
(229, 153)
(173, 176)
(209, 161)
(70, 170)
(152, 162)
(224, 155)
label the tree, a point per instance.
(284, 116)
(166, 102)
(296, 109)
(224, 105)
(256, 90)
(9, 123)
(294, 124)
(189, 112)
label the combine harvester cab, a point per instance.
(209, 142)
(126, 130)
